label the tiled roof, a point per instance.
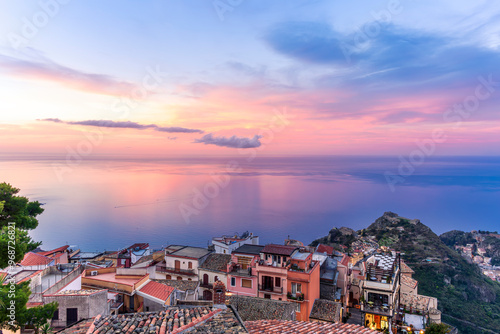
(408, 281)
(279, 249)
(249, 249)
(179, 285)
(415, 301)
(174, 320)
(326, 310)
(405, 269)
(216, 262)
(303, 327)
(345, 260)
(79, 328)
(35, 259)
(156, 256)
(324, 249)
(57, 250)
(157, 290)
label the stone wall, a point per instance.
(88, 306)
(254, 308)
(327, 291)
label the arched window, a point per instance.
(168, 277)
(179, 278)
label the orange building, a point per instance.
(287, 273)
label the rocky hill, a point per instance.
(463, 292)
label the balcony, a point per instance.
(369, 307)
(236, 271)
(271, 289)
(189, 272)
(295, 296)
(206, 285)
(263, 267)
(389, 287)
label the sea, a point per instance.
(108, 203)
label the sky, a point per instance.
(225, 77)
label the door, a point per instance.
(71, 316)
(177, 265)
(207, 295)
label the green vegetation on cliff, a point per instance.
(465, 295)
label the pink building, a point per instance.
(242, 276)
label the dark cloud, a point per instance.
(124, 125)
(176, 129)
(234, 142)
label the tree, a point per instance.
(14, 312)
(437, 329)
(17, 217)
(39, 316)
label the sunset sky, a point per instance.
(179, 78)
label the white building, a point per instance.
(226, 245)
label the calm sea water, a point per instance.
(108, 204)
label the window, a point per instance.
(277, 282)
(56, 315)
(296, 288)
(131, 302)
(378, 299)
(246, 283)
(168, 277)
(267, 296)
(233, 281)
(216, 278)
(279, 259)
(298, 308)
(190, 265)
(189, 279)
(179, 278)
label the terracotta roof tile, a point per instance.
(326, 310)
(174, 320)
(408, 281)
(157, 290)
(405, 269)
(57, 250)
(324, 249)
(216, 262)
(35, 259)
(279, 249)
(303, 327)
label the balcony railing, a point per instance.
(241, 272)
(378, 309)
(272, 289)
(378, 285)
(206, 285)
(175, 270)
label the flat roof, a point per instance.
(249, 249)
(300, 256)
(111, 277)
(189, 251)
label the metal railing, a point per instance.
(175, 270)
(273, 289)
